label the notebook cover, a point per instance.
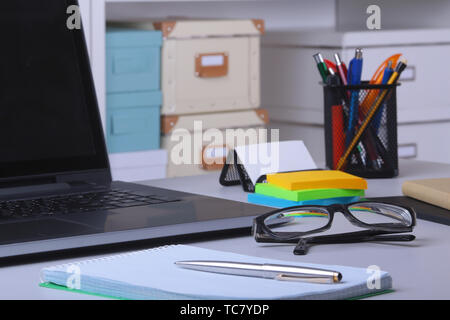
(268, 201)
(433, 191)
(322, 179)
(152, 274)
(270, 190)
(424, 211)
(62, 288)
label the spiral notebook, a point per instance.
(152, 274)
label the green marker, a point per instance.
(321, 66)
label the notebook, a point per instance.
(424, 211)
(152, 274)
(303, 195)
(433, 191)
(321, 179)
(268, 201)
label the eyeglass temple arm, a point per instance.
(351, 237)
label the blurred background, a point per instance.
(278, 73)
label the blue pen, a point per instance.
(354, 78)
(386, 76)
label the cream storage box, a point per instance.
(290, 79)
(210, 65)
(199, 143)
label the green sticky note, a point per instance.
(304, 195)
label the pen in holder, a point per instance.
(372, 130)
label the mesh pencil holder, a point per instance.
(361, 129)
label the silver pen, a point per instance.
(267, 271)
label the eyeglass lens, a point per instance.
(298, 220)
(378, 213)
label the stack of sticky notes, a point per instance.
(317, 187)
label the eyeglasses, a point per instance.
(382, 221)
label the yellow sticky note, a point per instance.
(320, 179)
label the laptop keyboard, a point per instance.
(76, 203)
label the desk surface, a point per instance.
(419, 269)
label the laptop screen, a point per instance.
(49, 121)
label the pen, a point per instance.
(338, 136)
(377, 78)
(342, 69)
(373, 131)
(266, 271)
(323, 69)
(401, 66)
(330, 66)
(354, 78)
(387, 74)
(338, 129)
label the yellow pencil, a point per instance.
(394, 78)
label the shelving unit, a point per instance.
(134, 166)
(279, 15)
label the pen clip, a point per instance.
(312, 279)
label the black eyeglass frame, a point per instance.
(374, 232)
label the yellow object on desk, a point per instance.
(317, 179)
(433, 191)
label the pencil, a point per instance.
(394, 78)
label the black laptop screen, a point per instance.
(49, 118)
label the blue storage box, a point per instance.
(133, 121)
(133, 60)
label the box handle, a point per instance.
(211, 65)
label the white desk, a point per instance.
(419, 269)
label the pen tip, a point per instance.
(337, 277)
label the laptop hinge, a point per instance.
(94, 180)
(34, 189)
(92, 177)
(25, 182)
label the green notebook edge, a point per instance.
(305, 195)
(49, 285)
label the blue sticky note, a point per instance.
(263, 200)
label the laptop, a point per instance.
(56, 191)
